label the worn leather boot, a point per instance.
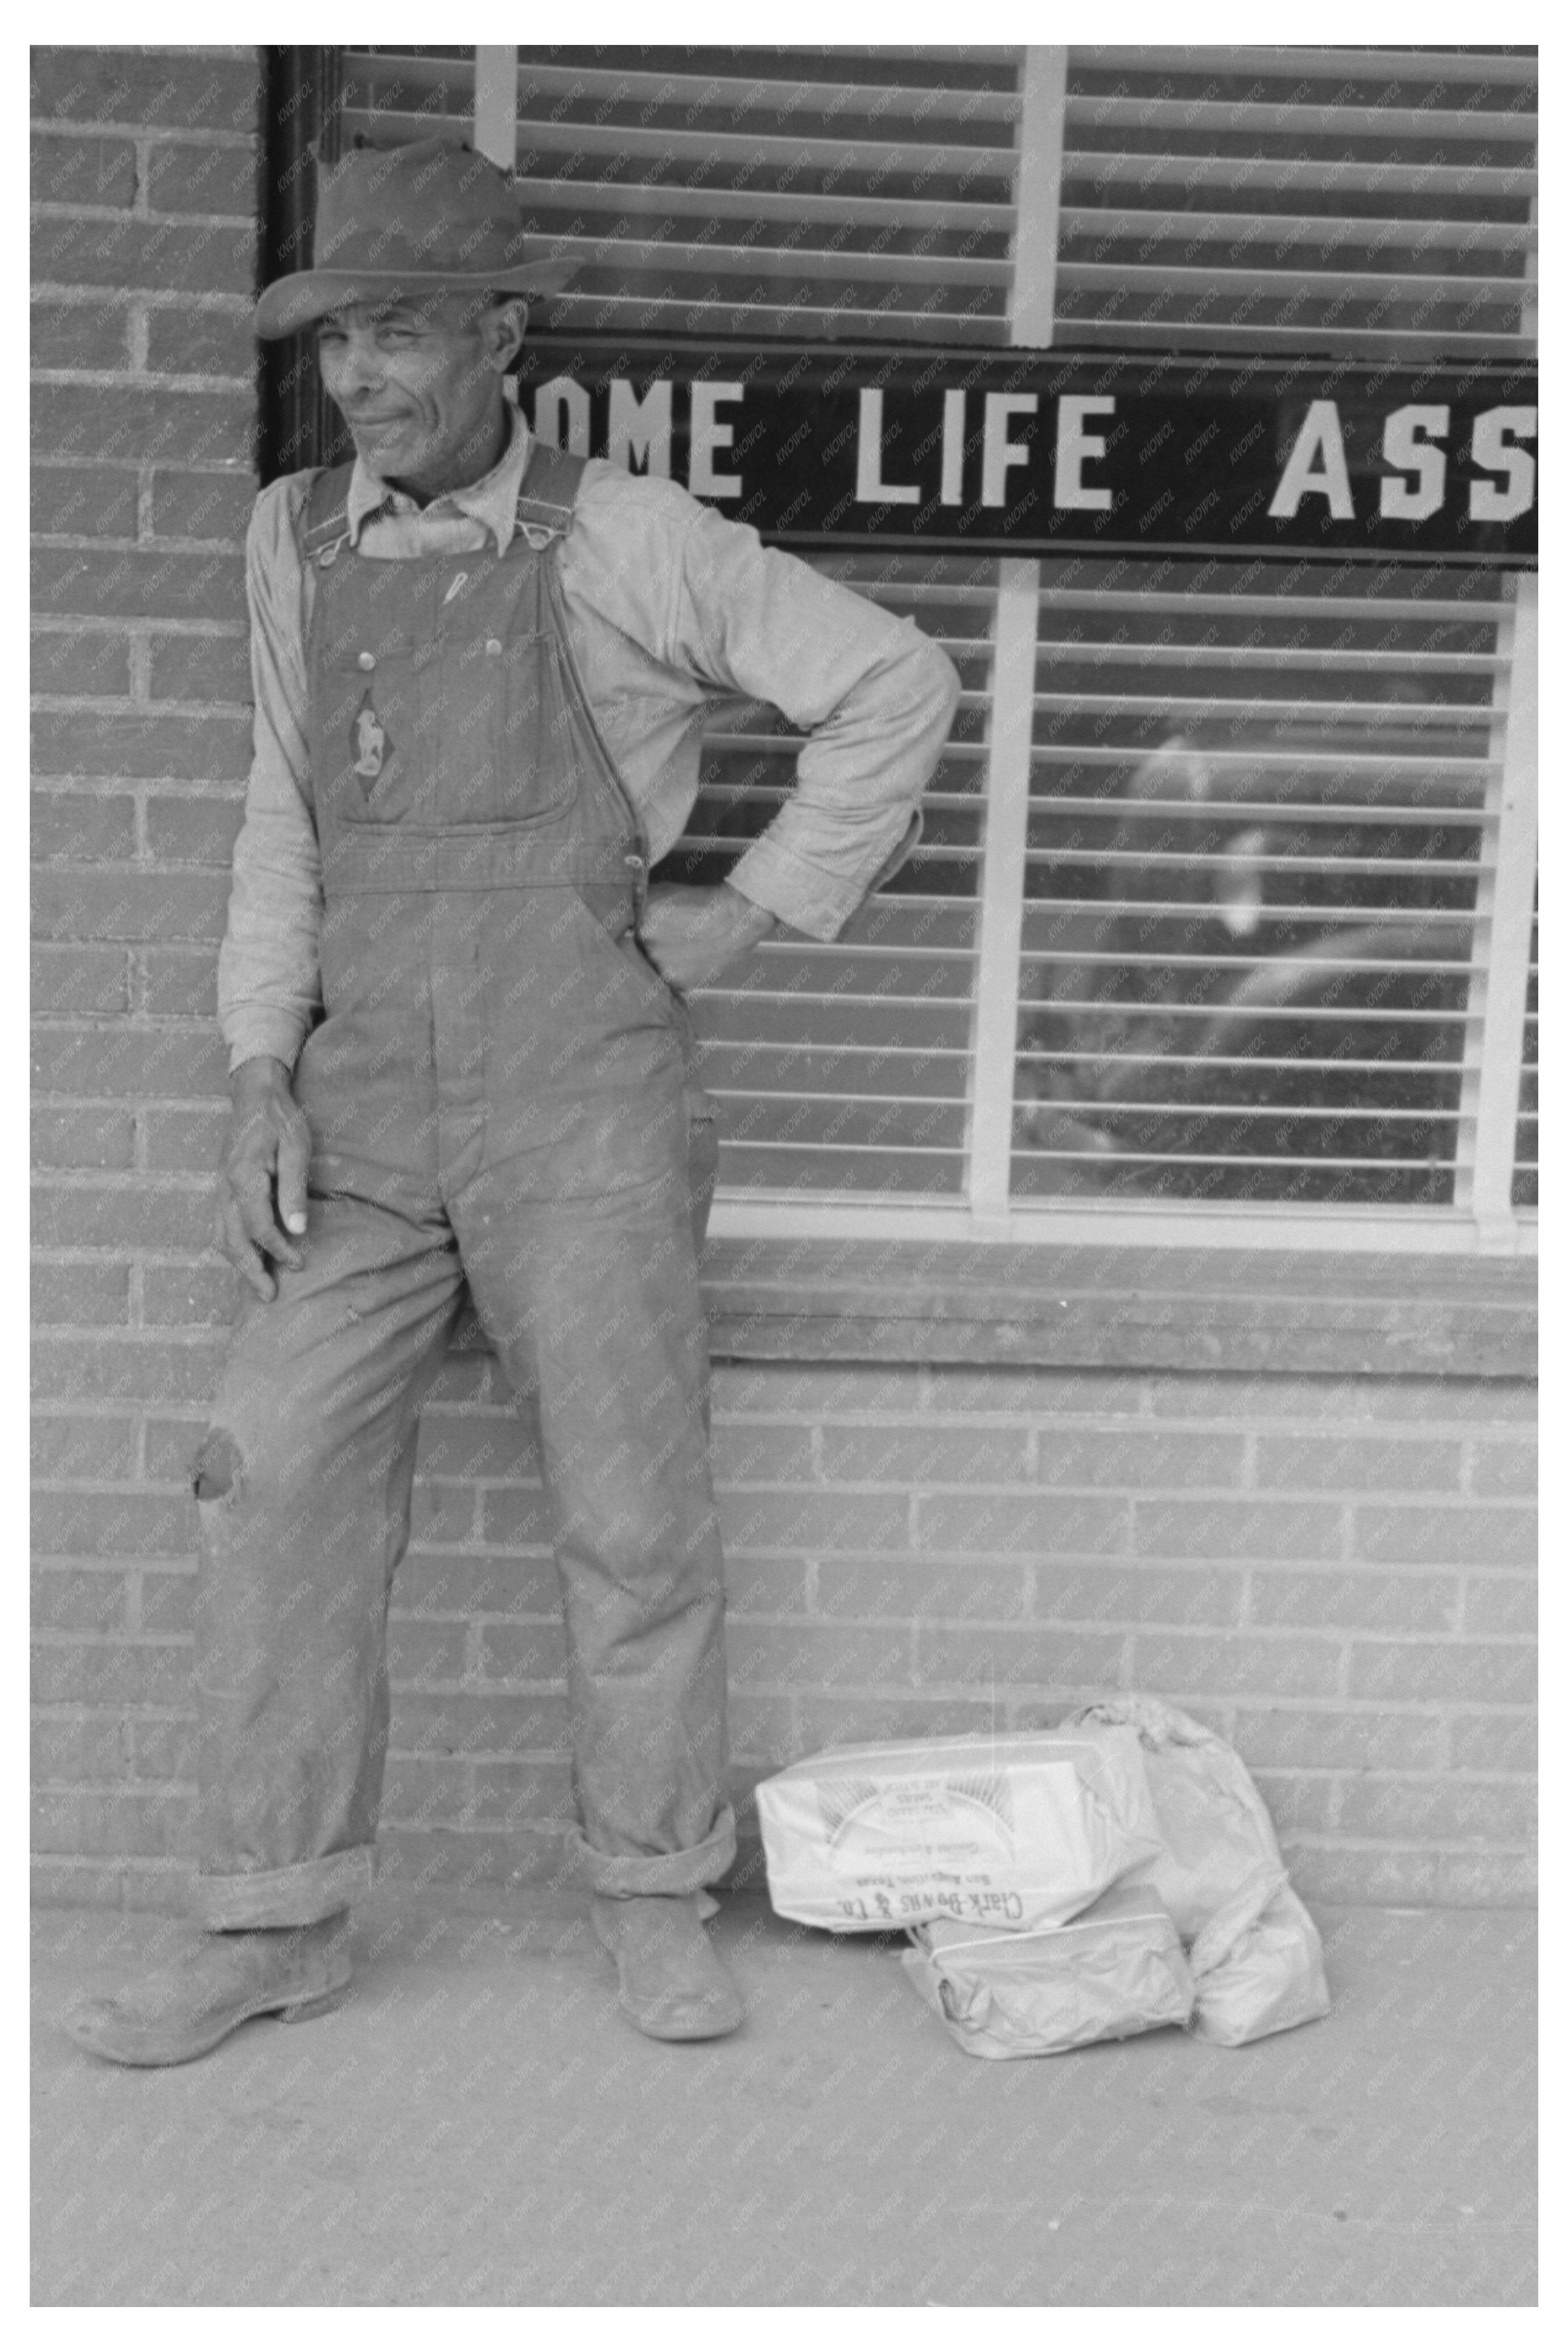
(187, 2008)
(674, 1986)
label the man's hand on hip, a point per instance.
(261, 1184)
(694, 936)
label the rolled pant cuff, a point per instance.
(686, 1871)
(296, 1896)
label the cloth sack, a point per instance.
(1116, 1969)
(1020, 1830)
(1256, 1954)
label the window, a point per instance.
(1221, 925)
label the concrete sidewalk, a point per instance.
(478, 2126)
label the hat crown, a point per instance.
(434, 204)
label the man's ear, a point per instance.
(506, 327)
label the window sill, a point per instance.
(1127, 1309)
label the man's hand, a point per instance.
(262, 1185)
(694, 936)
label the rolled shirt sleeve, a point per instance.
(873, 696)
(268, 985)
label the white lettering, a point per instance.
(708, 435)
(952, 408)
(562, 393)
(1409, 442)
(999, 454)
(1074, 446)
(1319, 439)
(640, 429)
(1495, 453)
(871, 489)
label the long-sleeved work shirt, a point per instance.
(671, 609)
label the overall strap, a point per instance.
(324, 517)
(547, 495)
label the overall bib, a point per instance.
(499, 1113)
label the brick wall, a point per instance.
(1334, 1573)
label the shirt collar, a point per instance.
(491, 500)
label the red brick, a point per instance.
(111, 1673)
(131, 1821)
(1501, 1604)
(196, 338)
(1111, 1594)
(832, 1722)
(924, 1456)
(1009, 1657)
(1288, 1667)
(516, 1514)
(422, 1788)
(1500, 1673)
(126, 1214)
(1444, 1808)
(761, 1726)
(177, 980)
(1045, 1526)
(83, 826)
(202, 506)
(509, 1792)
(189, 1140)
(1333, 1738)
(1504, 1469)
(117, 1522)
(188, 1295)
(100, 172)
(127, 1369)
(202, 180)
(74, 902)
(521, 1654)
(1033, 1395)
(164, 1747)
(468, 1585)
(81, 334)
(81, 1747)
(1356, 1597)
(426, 1651)
(488, 1723)
(1486, 1879)
(176, 88)
(89, 501)
(1135, 1459)
(1335, 1396)
(473, 1445)
(80, 1293)
(1494, 1535)
(444, 1512)
(126, 251)
(768, 1584)
(1361, 1874)
(1493, 1743)
(81, 979)
(126, 421)
(75, 660)
(1297, 1800)
(791, 1520)
(89, 1136)
(83, 1445)
(1371, 1465)
(201, 669)
(814, 1391)
(749, 1452)
(1225, 1530)
(920, 1589)
(213, 743)
(192, 831)
(172, 1448)
(79, 1600)
(168, 1599)
(819, 1658)
(471, 1861)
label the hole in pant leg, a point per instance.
(217, 1467)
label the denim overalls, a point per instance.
(501, 1112)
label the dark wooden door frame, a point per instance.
(301, 122)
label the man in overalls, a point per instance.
(481, 670)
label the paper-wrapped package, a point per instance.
(1020, 1830)
(1116, 1969)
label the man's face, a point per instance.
(420, 386)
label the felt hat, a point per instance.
(399, 224)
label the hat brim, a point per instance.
(298, 300)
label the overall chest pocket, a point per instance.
(370, 731)
(506, 754)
